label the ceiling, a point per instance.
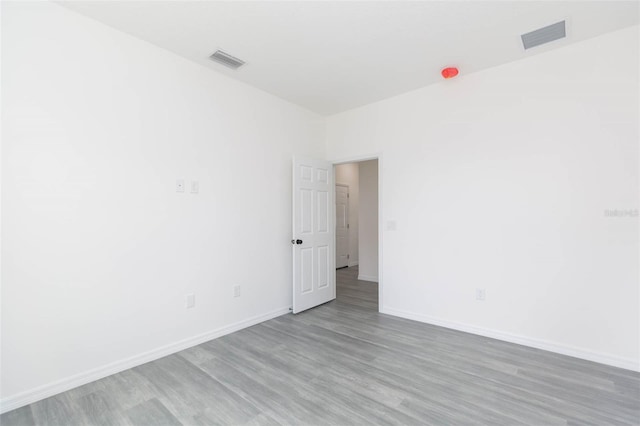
(330, 56)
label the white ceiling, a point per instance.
(330, 56)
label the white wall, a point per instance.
(348, 174)
(368, 216)
(98, 249)
(500, 180)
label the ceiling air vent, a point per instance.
(544, 35)
(227, 60)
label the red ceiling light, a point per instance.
(449, 72)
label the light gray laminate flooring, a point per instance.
(344, 363)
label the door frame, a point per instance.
(358, 159)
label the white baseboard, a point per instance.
(353, 263)
(626, 363)
(367, 278)
(50, 389)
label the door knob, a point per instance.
(296, 241)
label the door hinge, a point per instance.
(348, 256)
(347, 226)
(347, 195)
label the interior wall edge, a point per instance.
(572, 351)
(50, 389)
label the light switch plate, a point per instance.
(190, 301)
(195, 186)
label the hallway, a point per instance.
(354, 293)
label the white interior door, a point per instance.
(342, 225)
(313, 245)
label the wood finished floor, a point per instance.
(344, 363)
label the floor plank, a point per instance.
(343, 363)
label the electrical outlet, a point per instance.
(180, 185)
(236, 291)
(190, 301)
(480, 294)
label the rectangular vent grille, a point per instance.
(227, 60)
(544, 35)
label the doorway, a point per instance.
(314, 230)
(357, 232)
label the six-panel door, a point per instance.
(313, 224)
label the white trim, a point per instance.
(367, 278)
(353, 263)
(615, 361)
(356, 159)
(50, 389)
(379, 279)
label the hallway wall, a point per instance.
(368, 217)
(348, 174)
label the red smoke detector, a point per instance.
(450, 72)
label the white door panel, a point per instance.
(313, 224)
